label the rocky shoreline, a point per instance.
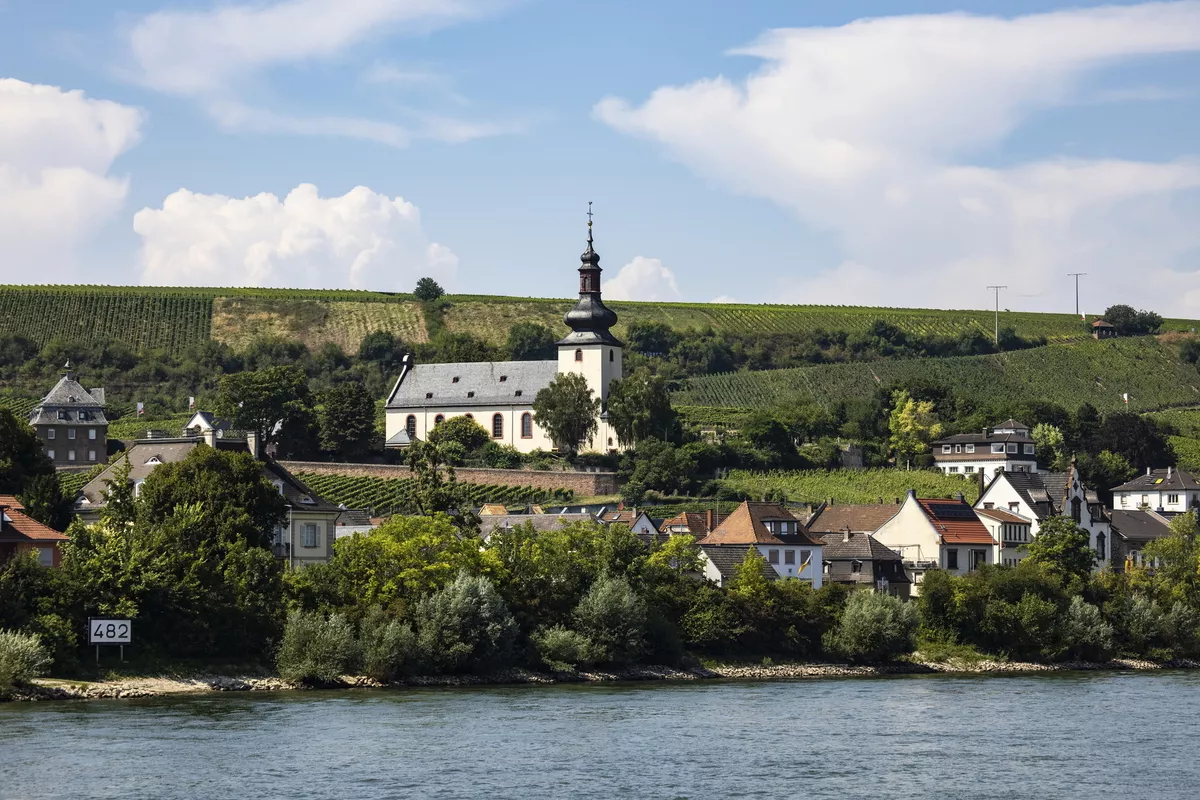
(133, 688)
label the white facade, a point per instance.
(1160, 490)
(510, 424)
(790, 561)
(922, 546)
(600, 365)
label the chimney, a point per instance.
(982, 481)
(252, 443)
(1168, 473)
(829, 502)
(846, 534)
(959, 497)
(210, 437)
(710, 519)
(1147, 471)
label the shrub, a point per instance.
(465, 626)
(501, 456)
(1085, 634)
(316, 648)
(1181, 630)
(613, 617)
(462, 429)
(60, 639)
(562, 649)
(874, 627)
(1139, 621)
(388, 646)
(22, 658)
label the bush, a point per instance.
(562, 649)
(613, 617)
(465, 626)
(60, 639)
(1139, 623)
(501, 456)
(1085, 634)
(23, 657)
(874, 627)
(316, 648)
(462, 429)
(388, 646)
(1181, 630)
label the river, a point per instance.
(1087, 736)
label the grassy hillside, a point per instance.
(175, 318)
(850, 485)
(1069, 374)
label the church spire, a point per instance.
(590, 320)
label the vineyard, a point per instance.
(850, 485)
(385, 496)
(1069, 374)
(20, 405)
(1187, 452)
(176, 318)
(165, 321)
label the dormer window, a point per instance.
(998, 448)
(503, 378)
(470, 394)
(970, 448)
(454, 379)
(278, 486)
(517, 393)
(152, 460)
(429, 395)
(306, 500)
(63, 414)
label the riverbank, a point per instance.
(162, 686)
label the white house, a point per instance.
(1037, 497)
(499, 395)
(783, 541)
(1159, 490)
(1008, 447)
(1011, 530)
(938, 534)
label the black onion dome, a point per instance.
(590, 320)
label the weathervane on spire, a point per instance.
(589, 220)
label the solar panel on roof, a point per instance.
(952, 510)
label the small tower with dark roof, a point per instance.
(590, 349)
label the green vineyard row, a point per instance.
(385, 496)
(850, 485)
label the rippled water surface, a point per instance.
(1078, 736)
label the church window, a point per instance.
(526, 426)
(1100, 546)
(497, 426)
(439, 419)
(579, 355)
(612, 355)
(1076, 510)
(410, 425)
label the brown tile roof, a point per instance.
(1000, 515)
(747, 525)
(956, 522)
(15, 526)
(493, 509)
(866, 518)
(696, 522)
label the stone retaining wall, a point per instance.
(584, 484)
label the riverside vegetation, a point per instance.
(187, 559)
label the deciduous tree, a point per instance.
(1062, 547)
(347, 420)
(567, 411)
(274, 403)
(640, 407)
(913, 425)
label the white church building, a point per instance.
(499, 395)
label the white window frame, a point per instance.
(789, 556)
(310, 535)
(92, 434)
(1172, 498)
(946, 448)
(91, 455)
(50, 454)
(970, 448)
(71, 433)
(50, 434)
(1028, 449)
(70, 455)
(958, 448)
(998, 447)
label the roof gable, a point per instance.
(866, 518)
(956, 522)
(748, 525)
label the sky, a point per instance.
(865, 152)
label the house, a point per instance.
(70, 422)
(782, 540)
(638, 521)
(829, 518)
(1159, 490)
(1131, 532)
(1038, 496)
(859, 559)
(354, 520)
(938, 534)
(204, 421)
(1008, 446)
(697, 524)
(499, 395)
(1011, 530)
(305, 537)
(20, 533)
(1103, 330)
(540, 522)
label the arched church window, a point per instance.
(1100, 554)
(612, 355)
(497, 426)
(526, 425)
(410, 425)
(579, 355)
(439, 419)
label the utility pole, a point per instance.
(997, 289)
(1076, 275)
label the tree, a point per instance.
(567, 411)
(273, 402)
(529, 341)
(651, 338)
(231, 488)
(679, 553)
(465, 626)
(44, 500)
(1062, 547)
(1135, 438)
(1050, 444)
(613, 618)
(382, 348)
(765, 431)
(1129, 322)
(461, 429)
(437, 490)
(1085, 634)
(21, 456)
(1105, 472)
(874, 627)
(660, 466)
(347, 420)
(427, 290)
(913, 425)
(639, 407)
(1178, 559)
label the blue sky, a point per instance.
(853, 153)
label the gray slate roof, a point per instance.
(1043, 491)
(494, 383)
(69, 395)
(1139, 526)
(861, 547)
(1158, 481)
(728, 557)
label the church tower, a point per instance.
(590, 349)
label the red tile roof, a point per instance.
(956, 522)
(695, 521)
(747, 525)
(17, 527)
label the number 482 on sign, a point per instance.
(109, 631)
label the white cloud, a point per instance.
(724, 298)
(361, 240)
(873, 131)
(214, 55)
(56, 150)
(643, 279)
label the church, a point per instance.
(499, 395)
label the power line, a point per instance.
(997, 289)
(1076, 276)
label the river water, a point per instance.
(1087, 736)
